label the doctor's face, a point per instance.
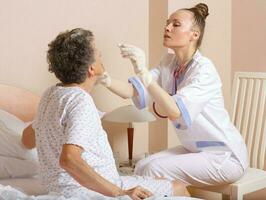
(178, 30)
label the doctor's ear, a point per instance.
(196, 34)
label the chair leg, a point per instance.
(237, 193)
(226, 197)
(234, 196)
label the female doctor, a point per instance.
(186, 88)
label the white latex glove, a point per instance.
(138, 59)
(135, 54)
(105, 79)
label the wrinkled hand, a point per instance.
(138, 59)
(105, 79)
(138, 193)
(135, 54)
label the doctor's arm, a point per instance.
(164, 101)
(71, 161)
(120, 88)
(28, 137)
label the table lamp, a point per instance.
(129, 114)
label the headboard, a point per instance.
(19, 102)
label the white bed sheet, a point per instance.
(29, 186)
(12, 193)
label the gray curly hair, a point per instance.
(70, 54)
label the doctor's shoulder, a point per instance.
(204, 64)
(205, 68)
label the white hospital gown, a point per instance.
(204, 128)
(67, 115)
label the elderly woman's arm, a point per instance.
(85, 175)
(28, 137)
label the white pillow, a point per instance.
(17, 168)
(11, 121)
(11, 129)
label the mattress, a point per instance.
(30, 186)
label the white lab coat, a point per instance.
(204, 125)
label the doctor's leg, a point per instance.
(141, 165)
(199, 169)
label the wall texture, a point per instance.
(248, 35)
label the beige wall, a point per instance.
(158, 13)
(248, 35)
(28, 25)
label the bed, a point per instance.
(19, 102)
(21, 105)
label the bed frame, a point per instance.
(19, 102)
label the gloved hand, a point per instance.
(138, 59)
(105, 79)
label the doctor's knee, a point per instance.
(152, 169)
(140, 165)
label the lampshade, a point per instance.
(127, 114)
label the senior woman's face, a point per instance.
(178, 29)
(98, 63)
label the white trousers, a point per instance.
(198, 169)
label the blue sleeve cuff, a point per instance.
(203, 144)
(184, 112)
(139, 100)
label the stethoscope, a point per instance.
(178, 78)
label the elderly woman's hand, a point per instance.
(138, 193)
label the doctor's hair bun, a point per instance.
(202, 10)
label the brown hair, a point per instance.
(200, 12)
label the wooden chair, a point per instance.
(249, 116)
